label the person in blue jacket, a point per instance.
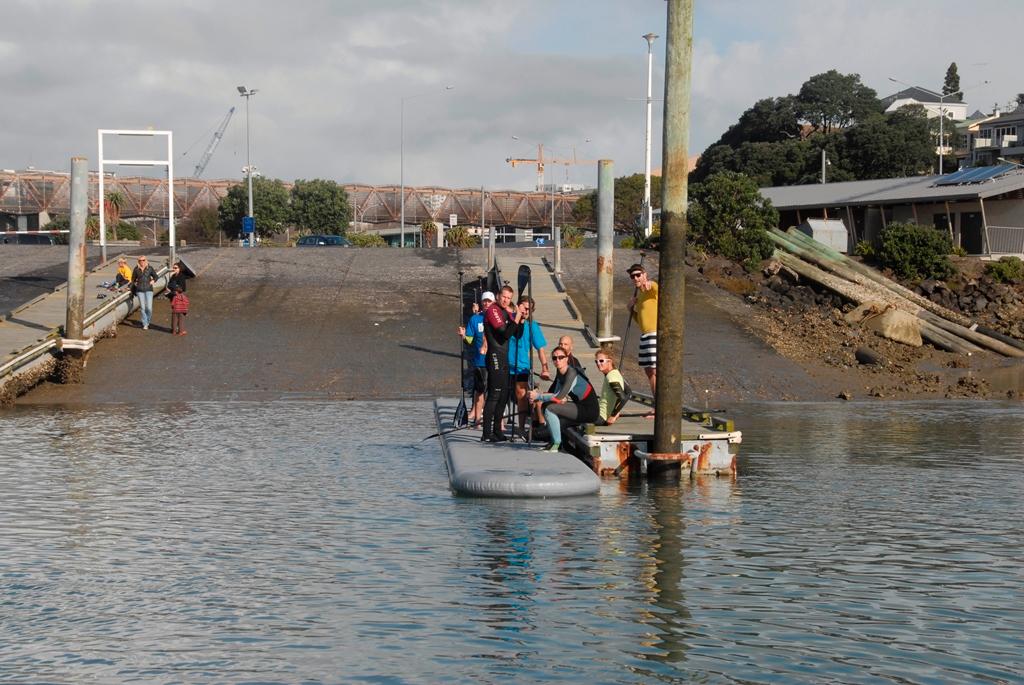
(473, 335)
(519, 358)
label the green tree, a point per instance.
(428, 234)
(728, 216)
(788, 162)
(770, 120)
(270, 207)
(320, 206)
(898, 144)
(832, 101)
(951, 86)
(112, 206)
(573, 237)
(201, 225)
(629, 200)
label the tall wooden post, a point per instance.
(605, 240)
(75, 315)
(671, 278)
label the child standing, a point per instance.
(179, 308)
(179, 301)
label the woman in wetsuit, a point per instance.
(614, 393)
(569, 401)
(501, 323)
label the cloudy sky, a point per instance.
(332, 76)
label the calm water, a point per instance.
(317, 542)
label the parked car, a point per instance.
(30, 239)
(323, 241)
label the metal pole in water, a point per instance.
(605, 245)
(73, 323)
(671, 277)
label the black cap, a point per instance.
(634, 269)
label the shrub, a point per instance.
(865, 249)
(915, 252)
(367, 240)
(572, 237)
(459, 236)
(729, 217)
(126, 231)
(1006, 270)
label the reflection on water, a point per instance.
(310, 541)
(1008, 379)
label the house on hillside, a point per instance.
(998, 136)
(932, 102)
(965, 133)
(981, 208)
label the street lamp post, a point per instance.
(247, 94)
(648, 210)
(402, 169)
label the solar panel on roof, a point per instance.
(953, 178)
(975, 175)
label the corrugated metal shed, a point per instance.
(830, 232)
(887, 191)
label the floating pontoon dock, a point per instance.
(508, 469)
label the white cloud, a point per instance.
(331, 76)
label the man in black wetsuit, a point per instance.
(501, 322)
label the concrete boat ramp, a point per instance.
(708, 443)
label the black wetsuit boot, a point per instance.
(497, 396)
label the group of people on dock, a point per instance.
(502, 339)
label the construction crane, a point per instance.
(217, 135)
(540, 162)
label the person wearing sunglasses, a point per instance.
(569, 401)
(614, 392)
(143, 278)
(643, 308)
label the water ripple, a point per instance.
(306, 541)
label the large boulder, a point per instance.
(888, 322)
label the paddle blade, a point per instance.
(524, 278)
(460, 414)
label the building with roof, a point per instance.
(935, 105)
(981, 208)
(930, 100)
(994, 138)
(965, 133)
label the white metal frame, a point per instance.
(169, 163)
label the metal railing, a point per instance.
(1005, 240)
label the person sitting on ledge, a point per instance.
(569, 401)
